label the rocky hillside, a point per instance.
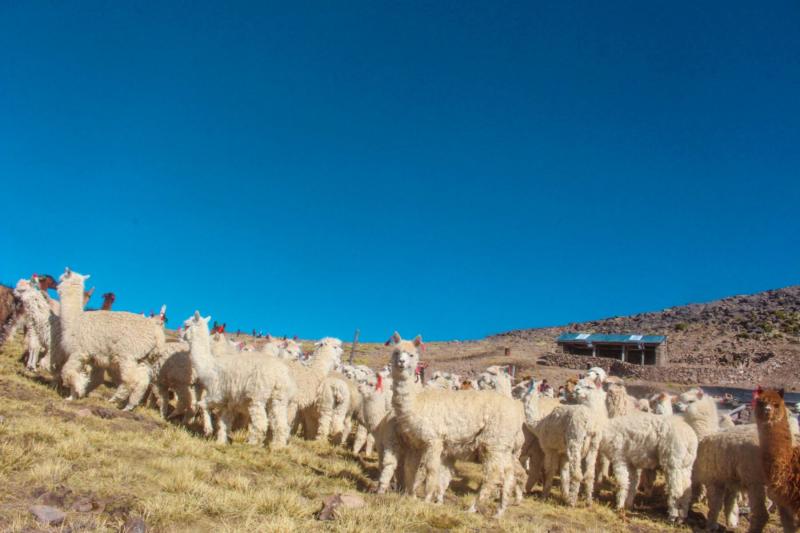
(740, 340)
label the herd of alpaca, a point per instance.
(523, 434)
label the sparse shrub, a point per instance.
(681, 326)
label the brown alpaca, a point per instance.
(87, 295)
(780, 458)
(108, 301)
(10, 310)
(46, 281)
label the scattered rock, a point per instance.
(48, 515)
(134, 525)
(83, 413)
(339, 501)
(83, 505)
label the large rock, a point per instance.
(48, 515)
(332, 504)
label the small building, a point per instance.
(636, 349)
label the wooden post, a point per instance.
(624, 349)
(353, 347)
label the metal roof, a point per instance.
(614, 338)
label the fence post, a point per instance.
(353, 347)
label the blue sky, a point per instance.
(447, 168)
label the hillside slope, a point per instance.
(736, 341)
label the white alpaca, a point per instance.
(495, 378)
(333, 408)
(287, 349)
(375, 406)
(444, 380)
(43, 328)
(644, 441)
(461, 422)
(244, 382)
(571, 434)
(303, 411)
(700, 411)
(125, 344)
(661, 404)
(536, 408)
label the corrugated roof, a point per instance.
(616, 338)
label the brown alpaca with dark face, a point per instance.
(780, 458)
(108, 301)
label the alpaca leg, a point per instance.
(756, 494)
(788, 522)
(574, 471)
(163, 401)
(346, 428)
(183, 401)
(732, 507)
(432, 460)
(622, 475)
(591, 464)
(412, 478)
(208, 424)
(678, 491)
(324, 407)
(278, 408)
(34, 347)
(139, 385)
(257, 430)
(509, 482)
(715, 494)
(633, 475)
(535, 466)
(603, 469)
(224, 422)
(445, 477)
(74, 376)
(552, 463)
(370, 444)
(361, 438)
(388, 465)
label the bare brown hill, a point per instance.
(736, 341)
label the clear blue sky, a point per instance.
(452, 169)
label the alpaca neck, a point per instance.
(203, 362)
(71, 303)
(404, 392)
(323, 362)
(776, 444)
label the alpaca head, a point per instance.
(292, 349)
(405, 355)
(195, 327)
(597, 373)
(691, 396)
(770, 407)
(661, 403)
(70, 284)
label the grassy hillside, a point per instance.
(105, 467)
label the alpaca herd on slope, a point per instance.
(523, 434)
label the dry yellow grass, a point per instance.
(134, 465)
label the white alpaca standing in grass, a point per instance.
(571, 435)
(287, 349)
(308, 377)
(644, 441)
(43, 328)
(375, 406)
(125, 344)
(536, 408)
(245, 382)
(333, 406)
(456, 423)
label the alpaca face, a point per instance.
(686, 399)
(769, 406)
(194, 325)
(292, 349)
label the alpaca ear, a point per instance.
(197, 316)
(700, 393)
(87, 276)
(418, 341)
(207, 319)
(394, 339)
